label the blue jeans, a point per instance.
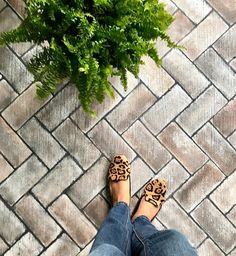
(118, 236)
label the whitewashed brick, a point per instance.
(109, 142)
(26, 246)
(73, 220)
(201, 110)
(91, 183)
(193, 81)
(170, 105)
(3, 246)
(232, 215)
(196, 10)
(7, 94)
(199, 185)
(22, 180)
(232, 139)
(183, 148)
(39, 139)
(8, 20)
(226, 45)
(5, 168)
(140, 99)
(86, 250)
(147, 146)
(197, 42)
(209, 248)
(218, 72)
(86, 122)
(174, 174)
(37, 219)
(155, 78)
(75, 141)
(216, 225)
(172, 216)
(11, 146)
(61, 247)
(217, 148)
(15, 71)
(223, 202)
(57, 180)
(59, 107)
(23, 108)
(11, 227)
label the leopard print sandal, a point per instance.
(119, 170)
(154, 193)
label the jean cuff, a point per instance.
(121, 203)
(141, 217)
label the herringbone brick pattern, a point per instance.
(177, 122)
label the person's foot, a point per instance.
(119, 179)
(151, 200)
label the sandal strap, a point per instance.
(155, 191)
(119, 168)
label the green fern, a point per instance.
(90, 40)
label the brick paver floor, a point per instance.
(177, 122)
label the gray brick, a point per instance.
(21, 48)
(131, 80)
(7, 94)
(233, 253)
(193, 81)
(57, 180)
(183, 148)
(5, 168)
(26, 246)
(216, 225)
(156, 78)
(86, 250)
(42, 142)
(22, 180)
(2, 4)
(232, 215)
(25, 106)
(61, 247)
(226, 45)
(180, 27)
(37, 219)
(59, 107)
(11, 226)
(199, 185)
(226, 8)
(224, 196)
(11, 146)
(218, 72)
(173, 217)
(133, 106)
(8, 20)
(195, 10)
(166, 109)
(201, 110)
(109, 142)
(225, 120)
(3, 245)
(147, 146)
(175, 175)
(15, 71)
(75, 141)
(97, 210)
(91, 183)
(233, 64)
(140, 175)
(86, 122)
(213, 26)
(216, 148)
(170, 7)
(73, 221)
(209, 248)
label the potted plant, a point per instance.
(90, 40)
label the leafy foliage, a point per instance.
(90, 40)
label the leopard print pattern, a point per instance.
(155, 192)
(119, 168)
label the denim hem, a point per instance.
(141, 217)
